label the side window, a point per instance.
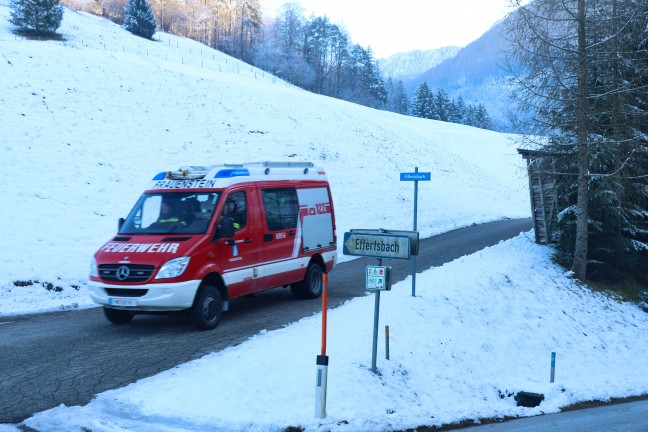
(236, 207)
(149, 212)
(281, 208)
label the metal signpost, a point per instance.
(416, 176)
(381, 244)
(378, 279)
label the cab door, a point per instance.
(240, 254)
(281, 236)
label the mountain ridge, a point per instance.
(408, 65)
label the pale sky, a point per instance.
(389, 27)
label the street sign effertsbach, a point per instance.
(381, 243)
(416, 176)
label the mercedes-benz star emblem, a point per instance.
(122, 273)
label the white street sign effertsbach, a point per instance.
(381, 243)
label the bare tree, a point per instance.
(588, 112)
(317, 49)
(113, 9)
(280, 50)
(170, 16)
(248, 26)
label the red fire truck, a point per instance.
(203, 235)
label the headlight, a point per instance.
(173, 268)
(94, 270)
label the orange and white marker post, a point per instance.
(322, 359)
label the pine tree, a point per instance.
(423, 102)
(372, 81)
(38, 16)
(139, 18)
(454, 115)
(470, 118)
(482, 119)
(398, 100)
(461, 110)
(441, 102)
(402, 98)
(363, 83)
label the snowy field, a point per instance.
(88, 121)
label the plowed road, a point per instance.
(68, 357)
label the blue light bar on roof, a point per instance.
(160, 176)
(232, 172)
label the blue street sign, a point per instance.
(415, 176)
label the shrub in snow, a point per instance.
(139, 18)
(38, 16)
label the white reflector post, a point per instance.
(320, 386)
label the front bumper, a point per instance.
(154, 297)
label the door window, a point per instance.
(281, 208)
(236, 208)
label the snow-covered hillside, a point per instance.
(94, 117)
(86, 123)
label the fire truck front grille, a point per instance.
(125, 272)
(120, 292)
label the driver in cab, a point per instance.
(168, 214)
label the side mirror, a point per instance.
(225, 228)
(120, 223)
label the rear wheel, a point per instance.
(117, 316)
(207, 308)
(311, 286)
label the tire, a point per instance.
(207, 308)
(311, 286)
(117, 316)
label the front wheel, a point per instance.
(117, 316)
(311, 286)
(207, 308)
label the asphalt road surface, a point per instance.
(68, 357)
(625, 417)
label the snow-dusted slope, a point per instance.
(87, 121)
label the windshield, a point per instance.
(171, 213)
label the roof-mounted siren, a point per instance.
(305, 166)
(188, 173)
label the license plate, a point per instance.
(123, 302)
